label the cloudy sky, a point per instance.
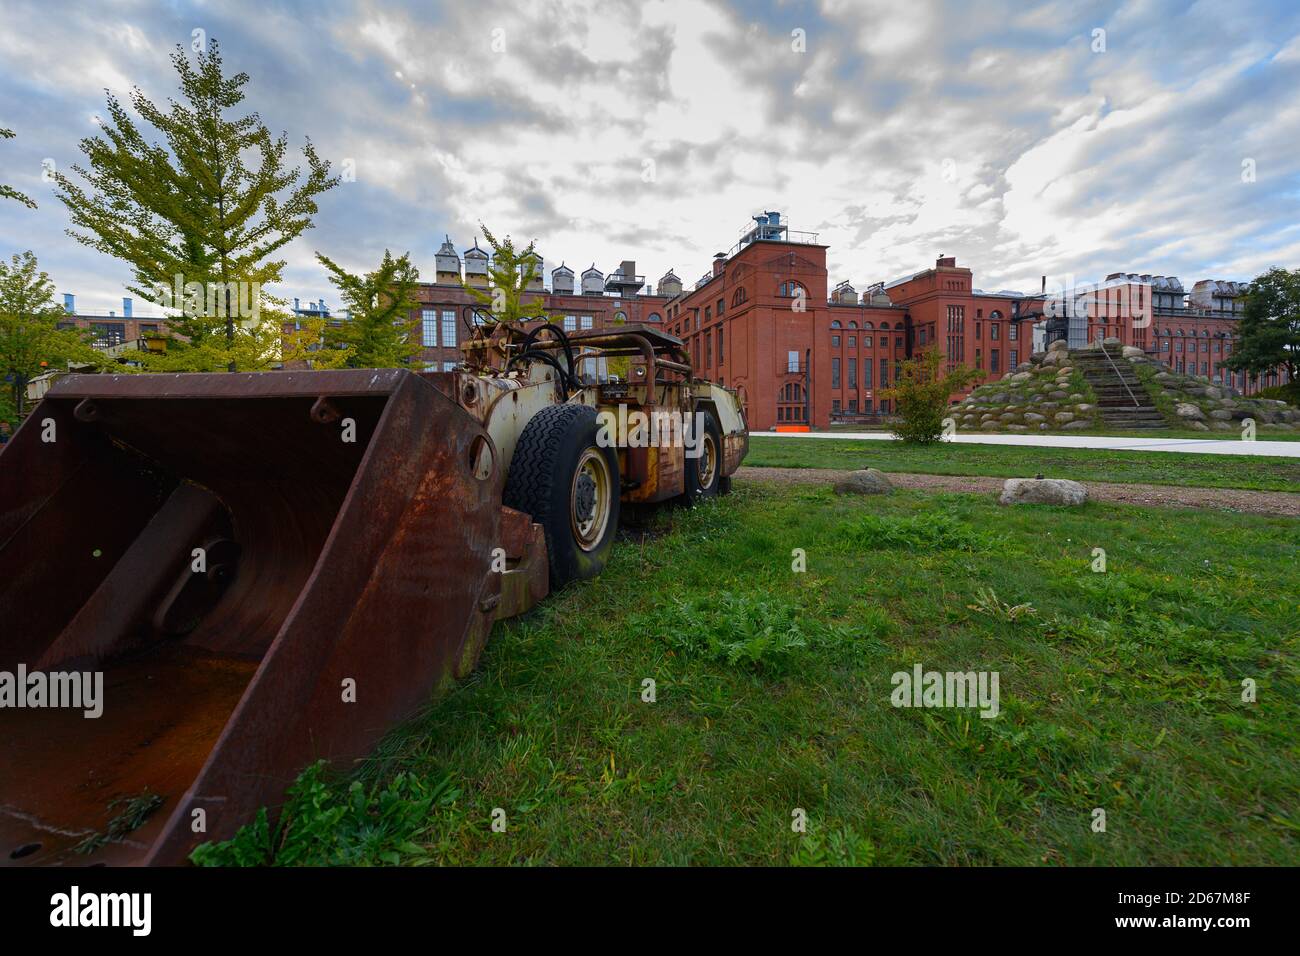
(1067, 138)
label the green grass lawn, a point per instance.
(1011, 461)
(1264, 434)
(1119, 690)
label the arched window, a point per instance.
(653, 317)
(868, 326)
(884, 326)
(853, 323)
(620, 318)
(836, 324)
(739, 297)
(995, 315)
(790, 288)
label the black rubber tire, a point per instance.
(694, 491)
(540, 484)
(724, 485)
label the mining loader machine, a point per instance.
(268, 569)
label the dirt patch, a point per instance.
(1170, 496)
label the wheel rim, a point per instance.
(590, 499)
(708, 463)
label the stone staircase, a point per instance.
(1117, 386)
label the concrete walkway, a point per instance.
(1202, 446)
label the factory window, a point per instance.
(835, 373)
(1013, 331)
(570, 323)
(866, 373)
(853, 341)
(621, 317)
(853, 373)
(993, 361)
(1014, 359)
(449, 366)
(448, 328)
(708, 349)
(429, 318)
(836, 324)
(586, 321)
(719, 309)
(884, 374)
(993, 331)
(790, 288)
(653, 317)
(835, 341)
(792, 361)
(721, 357)
(108, 333)
(835, 407)
(708, 313)
(738, 298)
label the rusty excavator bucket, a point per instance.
(264, 569)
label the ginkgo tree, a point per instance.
(30, 338)
(380, 328)
(510, 271)
(200, 215)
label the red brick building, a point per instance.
(1192, 332)
(763, 322)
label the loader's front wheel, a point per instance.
(704, 462)
(569, 485)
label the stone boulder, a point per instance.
(1189, 411)
(1132, 352)
(1042, 491)
(1060, 345)
(868, 481)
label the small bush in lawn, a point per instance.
(332, 824)
(927, 531)
(921, 393)
(842, 847)
(734, 629)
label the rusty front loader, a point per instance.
(268, 569)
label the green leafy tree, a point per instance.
(30, 340)
(921, 394)
(200, 216)
(8, 192)
(1269, 330)
(382, 329)
(509, 272)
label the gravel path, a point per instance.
(1228, 499)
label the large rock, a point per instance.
(1060, 345)
(1130, 352)
(1110, 341)
(1021, 377)
(1042, 491)
(1222, 414)
(868, 481)
(1063, 417)
(1189, 411)
(1033, 418)
(1076, 426)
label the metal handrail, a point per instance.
(1136, 403)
